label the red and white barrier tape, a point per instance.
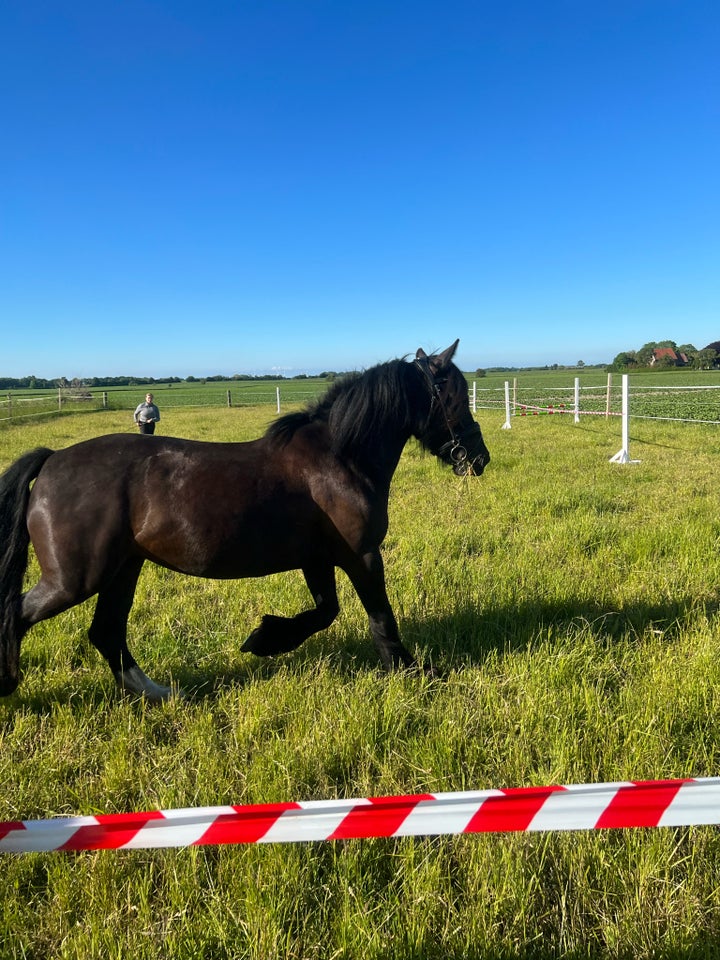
(649, 803)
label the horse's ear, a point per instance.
(421, 355)
(444, 359)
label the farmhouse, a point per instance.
(667, 355)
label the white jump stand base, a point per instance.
(622, 456)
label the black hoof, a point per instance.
(8, 685)
(273, 636)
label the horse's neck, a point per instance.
(379, 458)
(379, 461)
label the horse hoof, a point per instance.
(8, 685)
(253, 644)
(273, 636)
(257, 643)
(135, 680)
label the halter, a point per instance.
(454, 448)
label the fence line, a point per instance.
(18, 407)
(683, 404)
(13, 407)
(672, 403)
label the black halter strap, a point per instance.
(454, 447)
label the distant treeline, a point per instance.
(580, 365)
(38, 383)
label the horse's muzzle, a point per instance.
(468, 454)
(467, 467)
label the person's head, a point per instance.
(148, 398)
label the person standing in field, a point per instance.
(147, 415)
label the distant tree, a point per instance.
(644, 354)
(480, 372)
(628, 358)
(705, 359)
(580, 363)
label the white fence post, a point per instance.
(507, 425)
(607, 396)
(277, 391)
(577, 399)
(623, 456)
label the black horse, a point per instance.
(311, 494)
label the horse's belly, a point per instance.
(233, 548)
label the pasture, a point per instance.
(570, 605)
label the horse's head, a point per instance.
(450, 431)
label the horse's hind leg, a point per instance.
(50, 596)
(108, 632)
(282, 634)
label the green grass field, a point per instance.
(571, 606)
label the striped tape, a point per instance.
(648, 803)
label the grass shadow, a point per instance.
(465, 636)
(470, 636)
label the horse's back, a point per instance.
(99, 495)
(221, 510)
(208, 509)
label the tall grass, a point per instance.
(571, 607)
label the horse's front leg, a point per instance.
(283, 634)
(368, 578)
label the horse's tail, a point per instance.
(14, 544)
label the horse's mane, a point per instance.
(356, 408)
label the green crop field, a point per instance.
(571, 608)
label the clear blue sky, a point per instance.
(212, 187)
